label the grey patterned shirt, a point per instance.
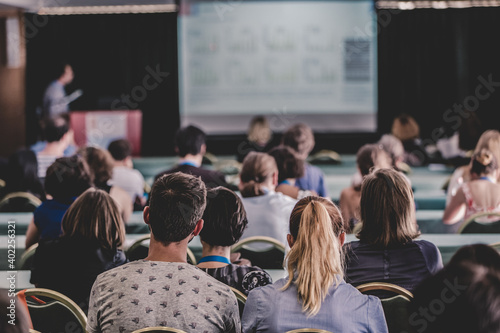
(153, 293)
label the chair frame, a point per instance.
(473, 219)
(63, 299)
(263, 239)
(306, 330)
(159, 328)
(28, 253)
(241, 297)
(385, 286)
(140, 240)
(25, 195)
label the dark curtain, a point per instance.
(110, 55)
(430, 60)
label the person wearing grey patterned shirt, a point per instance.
(163, 290)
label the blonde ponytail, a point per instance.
(314, 262)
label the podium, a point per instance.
(99, 128)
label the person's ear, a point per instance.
(198, 227)
(145, 215)
(342, 239)
(203, 149)
(290, 240)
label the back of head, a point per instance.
(405, 128)
(189, 140)
(489, 140)
(289, 165)
(387, 209)
(120, 149)
(100, 163)
(55, 128)
(94, 216)
(478, 254)
(393, 147)
(22, 172)
(314, 261)
(67, 178)
(177, 202)
(461, 298)
(300, 138)
(256, 170)
(259, 130)
(370, 157)
(224, 218)
(483, 163)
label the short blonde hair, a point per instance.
(314, 263)
(259, 130)
(405, 127)
(387, 209)
(95, 216)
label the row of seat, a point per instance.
(51, 311)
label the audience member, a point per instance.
(460, 298)
(406, 129)
(225, 220)
(368, 158)
(163, 289)
(479, 195)
(394, 148)
(268, 212)
(22, 175)
(258, 139)
(59, 136)
(93, 234)
(190, 146)
(101, 167)
(479, 254)
(489, 140)
(290, 167)
(124, 174)
(314, 294)
(300, 138)
(67, 178)
(387, 236)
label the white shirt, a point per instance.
(268, 215)
(130, 180)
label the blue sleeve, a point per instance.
(323, 191)
(432, 256)
(376, 317)
(250, 319)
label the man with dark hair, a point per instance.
(124, 174)
(163, 289)
(67, 178)
(225, 220)
(59, 136)
(300, 138)
(190, 146)
(55, 100)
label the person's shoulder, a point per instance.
(424, 244)
(313, 169)
(284, 198)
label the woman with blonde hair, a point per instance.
(387, 250)
(314, 294)
(479, 195)
(489, 140)
(268, 211)
(258, 138)
(93, 234)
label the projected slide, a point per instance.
(309, 58)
